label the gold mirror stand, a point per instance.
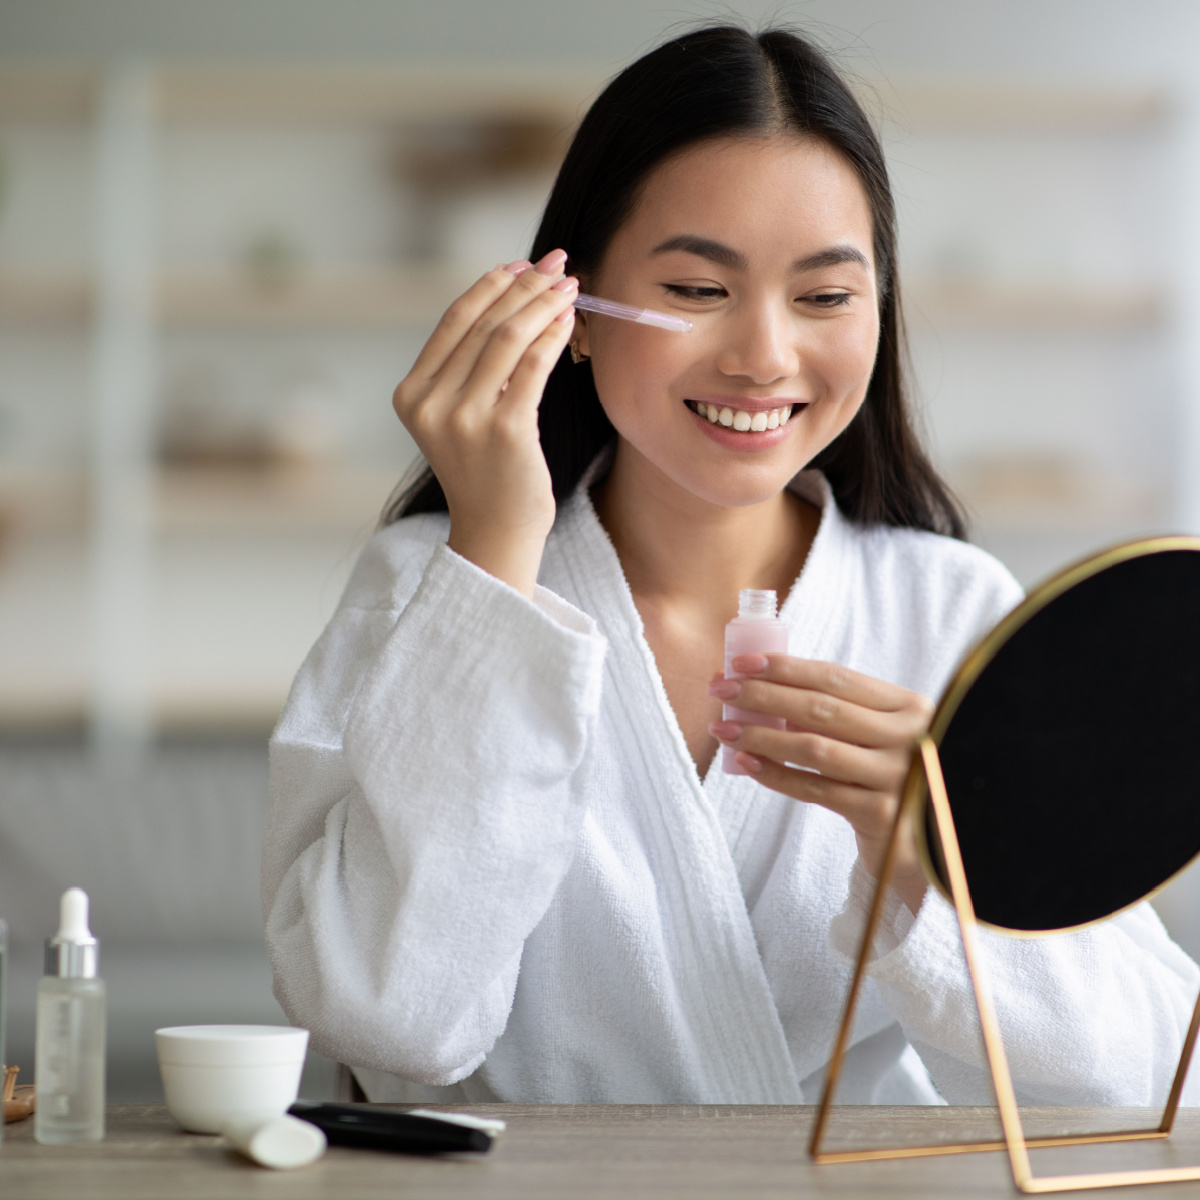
(927, 763)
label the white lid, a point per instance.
(231, 1045)
(279, 1142)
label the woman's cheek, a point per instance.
(633, 369)
(852, 350)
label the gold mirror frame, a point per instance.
(925, 780)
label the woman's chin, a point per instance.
(741, 488)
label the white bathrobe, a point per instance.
(492, 872)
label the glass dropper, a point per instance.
(627, 312)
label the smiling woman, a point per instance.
(501, 861)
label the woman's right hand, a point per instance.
(471, 404)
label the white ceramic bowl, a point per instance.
(214, 1074)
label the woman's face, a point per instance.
(765, 246)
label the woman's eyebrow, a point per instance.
(831, 258)
(726, 256)
(690, 243)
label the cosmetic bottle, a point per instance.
(3, 1012)
(755, 630)
(69, 1055)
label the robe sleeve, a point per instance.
(426, 798)
(1095, 1017)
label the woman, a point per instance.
(500, 862)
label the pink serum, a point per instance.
(755, 630)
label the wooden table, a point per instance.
(586, 1152)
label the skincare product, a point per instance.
(419, 1131)
(216, 1074)
(3, 1012)
(755, 630)
(278, 1142)
(69, 1055)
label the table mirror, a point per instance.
(1059, 784)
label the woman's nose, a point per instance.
(761, 347)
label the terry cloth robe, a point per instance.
(492, 872)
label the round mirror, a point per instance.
(1070, 743)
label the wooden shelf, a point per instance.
(324, 298)
(1052, 496)
(284, 498)
(1034, 306)
(341, 298)
(1004, 106)
(395, 298)
(39, 296)
(289, 94)
(306, 94)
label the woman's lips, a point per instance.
(756, 419)
(709, 414)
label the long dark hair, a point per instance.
(723, 81)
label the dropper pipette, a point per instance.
(627, 312)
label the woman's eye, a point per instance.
(695, 293)
(828, 299)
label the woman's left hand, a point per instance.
(856, 731)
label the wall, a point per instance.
(1044, 158)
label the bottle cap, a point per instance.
(756, 605)
(73, 953)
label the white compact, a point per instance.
(216, 1074)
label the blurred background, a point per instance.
(226, 227)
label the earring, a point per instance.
(577, 356)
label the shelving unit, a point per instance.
(198, 510)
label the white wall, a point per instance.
(1017, 207)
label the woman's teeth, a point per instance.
(736, 418)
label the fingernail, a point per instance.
(565, 316)
(725, 689)
(552, 263)
(518, 266)
(749, 762)
(567, 284)
(725, 731)
(749, 664)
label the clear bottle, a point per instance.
(3, 1007)
(69, 1056)
(755, 630)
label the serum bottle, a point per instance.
(755, 630)
(69, 1056)
(3, 1014)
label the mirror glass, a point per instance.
(1070, 743)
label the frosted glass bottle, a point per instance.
(69, 1052)
(755, 630)
(3, 1006)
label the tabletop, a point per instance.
(598, 1152)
